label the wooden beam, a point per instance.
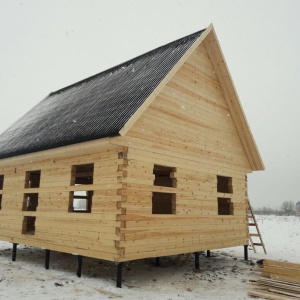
(60, 152)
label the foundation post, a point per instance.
(157, 261)
(79, 265)
(47, 259)
(119, 275)
(197, 264)
(14, 252)
(246, 252)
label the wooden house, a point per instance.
(146, 159)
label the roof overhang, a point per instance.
(63, 152)
(230, 94)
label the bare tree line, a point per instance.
(287, 208)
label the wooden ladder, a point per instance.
(253, 224)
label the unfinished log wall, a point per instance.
(188, 129)
(51, 221)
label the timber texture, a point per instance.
(279, 280)
(172, 181)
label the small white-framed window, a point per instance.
(80, 201)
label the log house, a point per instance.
(147, 159)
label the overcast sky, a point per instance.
(46, 45)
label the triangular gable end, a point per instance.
(209, 38)
(162, 84)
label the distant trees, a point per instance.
(267, 211)
(287, 208)
(298, 208)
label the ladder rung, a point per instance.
(252, 222)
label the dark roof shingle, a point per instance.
(93, 108)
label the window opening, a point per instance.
(82, 174)
(33, 179)
(81, 200)
(1, 181)
(224, 184)
(163, 176)
(225, 206)
(30, 202)
(162, 202)
(0, 201)
(28, 226)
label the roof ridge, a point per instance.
(126, 63)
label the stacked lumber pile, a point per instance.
(280, 280)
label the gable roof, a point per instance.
(94, 108)
(108, 104)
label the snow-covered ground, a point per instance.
(222, 276)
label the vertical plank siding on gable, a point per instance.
(188, 126)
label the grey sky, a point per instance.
(46, 45)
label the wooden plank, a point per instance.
(282, 271)
(284, 293)
(286, 285)
(285, 278)
(278, 284)
(267, 295)
(158, 237)
(284, 264)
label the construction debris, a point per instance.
(280, 280)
